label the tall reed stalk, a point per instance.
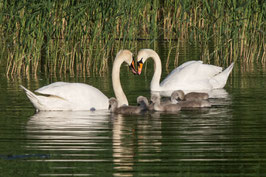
(83, 36)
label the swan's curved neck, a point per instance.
(155, 82)
(119, 93)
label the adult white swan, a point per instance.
(190, 76)
(79, 96)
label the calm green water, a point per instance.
(228, 139)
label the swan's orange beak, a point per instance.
(140, 65)
(132, 67)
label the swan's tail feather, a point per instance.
(229, 69)
(220, 79)
(33, 98)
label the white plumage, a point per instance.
(68, 96)
(78, 96)
(190, 76)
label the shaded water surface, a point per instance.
(228, 139)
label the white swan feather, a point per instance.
(190, 76)
(79, 96)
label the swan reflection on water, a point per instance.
(133, 136)
(121, 142)
(88, 135)
(66, 124)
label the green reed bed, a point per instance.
(84, 36)
(236, 30)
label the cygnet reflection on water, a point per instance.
(194, 104)
(141, 100)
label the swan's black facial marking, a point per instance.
(140, 62)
